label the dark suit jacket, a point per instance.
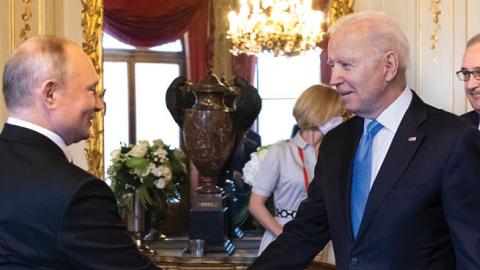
(54, 215)
(472, 117)
(422, 211)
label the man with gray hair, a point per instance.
(397, 185)
(470, 75)
(53, 214)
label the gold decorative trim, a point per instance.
(26, 17)
(12, 23)
(436, 13)
(338, 9)
(92, 25)
(41, 22)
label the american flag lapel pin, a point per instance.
(412, 139)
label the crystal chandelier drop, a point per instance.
(279, 27)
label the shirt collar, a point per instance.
(47, 133)
(299, 141)
(391, 117)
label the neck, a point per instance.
(31, 117)
(312, 138)
(395, 89)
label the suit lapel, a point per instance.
(475, 118)
(472, 117)
(402, 149)
(348, 147)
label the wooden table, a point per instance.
(170, 255)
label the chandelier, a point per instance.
(279, 27)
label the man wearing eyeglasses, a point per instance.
(470, 75)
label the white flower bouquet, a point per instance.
(155, 170)
(251, 167)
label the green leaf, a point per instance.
(136, 163)
(148, 181)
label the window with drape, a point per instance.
(141, 75)
(136, 80)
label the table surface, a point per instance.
(171, 254)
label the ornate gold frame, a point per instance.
(92, 30)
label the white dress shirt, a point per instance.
(281, 173)
(390, 118)
(47, 133)
(479, 122)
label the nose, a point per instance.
(336, 77)
(99, 103)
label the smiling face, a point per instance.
(364, 75)
(356, 73)
(76, 100)
(471, 62)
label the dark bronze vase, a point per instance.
(208, 130)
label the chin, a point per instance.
(351, 109)
(83, 136)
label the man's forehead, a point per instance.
(472, 56)
(348, 48)
(473, 50)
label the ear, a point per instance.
(391, 65)
(49, 94)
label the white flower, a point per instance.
(139, 150)
(251, 167)
(161, 154)
(148, 169)
(160, 183)
(164, 173)
(143, 161)
(167, 173)
(157, 171)
(158, 143)
(178, 153)
(115, 154)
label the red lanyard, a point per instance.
(305, 174)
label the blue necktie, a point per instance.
(362, 174)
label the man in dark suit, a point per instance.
(53, 214)
(398, 185)
(470, 75)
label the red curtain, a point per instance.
(325, 70)
(244, 66)
(199, 41)
(147, 23)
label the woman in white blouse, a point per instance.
(288, 166)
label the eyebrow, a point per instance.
(466, 69)
(343, 60)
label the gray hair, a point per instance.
(38, 59)
(384, 33)
(473, 40)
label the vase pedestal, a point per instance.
(209, 221)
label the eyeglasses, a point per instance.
(464, 75)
